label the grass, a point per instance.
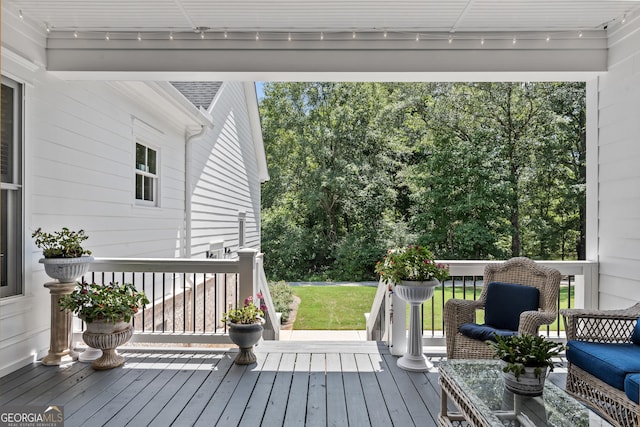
(343, 307)
(333, 307)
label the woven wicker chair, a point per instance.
(519, 270)
(605, 326)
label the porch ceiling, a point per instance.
(328, 16)
(330, 40)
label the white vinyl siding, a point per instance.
(619, 175)
(225, 177)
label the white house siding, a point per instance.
(225, 176)
(619, 174)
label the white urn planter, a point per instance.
(66, 270)
(528, 383)
(415, 293)
(107, 336)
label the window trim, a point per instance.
(15, 189)
(139, 172)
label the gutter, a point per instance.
(186, 247)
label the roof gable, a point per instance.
(200, 94)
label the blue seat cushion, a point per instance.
(609, 362)
(632, 386)
(506, 301)
(483, 332)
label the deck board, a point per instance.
(292, 384)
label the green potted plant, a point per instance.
(525, 361)
(64, 257)
(245, 328)
(411, 263)
(107, 311)
(414, 274)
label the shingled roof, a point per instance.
(200, 94)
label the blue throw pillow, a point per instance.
(506, 301)
(483, 332)
(635, 336)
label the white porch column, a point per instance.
(245, 273)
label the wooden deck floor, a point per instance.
(292, 384)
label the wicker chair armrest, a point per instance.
(600, 325)
(460, 311)
(530, 321)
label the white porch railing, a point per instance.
(387, 319)
(188, 296)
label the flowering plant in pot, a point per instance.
(245, 328)
(110, 303)
(411, 263)
(107, 310)
(525, 361)
(64, 257)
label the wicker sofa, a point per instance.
(603, 355)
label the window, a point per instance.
(242, 217)
(11, 188)
(146, 175)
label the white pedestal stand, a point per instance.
(415, 293)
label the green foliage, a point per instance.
(282, 297)
(61, 244)
(412, 262)
(246, 315)
(520, 351)
(112, 302)
(472, 170)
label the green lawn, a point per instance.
(343, 307)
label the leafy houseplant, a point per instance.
(111, 303)
(64, 257)
(245, 328)
(525, 359)
(61, 244)
(410, 263)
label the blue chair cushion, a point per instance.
(632, 386)
(609, 362)
(635, 336)
(506, 301)
(483, 332)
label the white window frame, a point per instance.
(242, 229)
(13, 205)
(141, 170)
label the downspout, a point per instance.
(186, 247)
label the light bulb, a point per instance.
(514, 41)
(171, 35)
(202, 35)
(385, 34)
(47, 28)
(289, 37)
(548, 39)
(353, 35)
(20, 14)
(225, 35)
(417, 37)
(482, 41)
(257, 36)
(75, 34)
(139, 37)
(321, 35)
(107, 37)
(624, 19)
(450, 39)
(580, 34)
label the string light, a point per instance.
(321, 35)
(482, 41)
(514, 41)
(624, 19)
(417, 37)
(47, 28)
(580, 34)
(385, 34)
(257, 36)
(171, 35)
(202, 35)
(75, 34)
(289, 37)
(107, 37)
(450, 39)
(225, 35)
(353, 35)
(20, 14)
(139, 37)
(548, 39)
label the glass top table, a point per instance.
(477, 389)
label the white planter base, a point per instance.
(409, 362)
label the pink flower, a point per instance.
(259, 295)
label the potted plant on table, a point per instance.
(525, 360)
(64, 257)
(245, 328)
(107, 311)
